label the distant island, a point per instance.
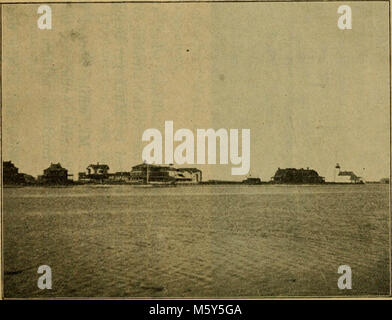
(143, 174)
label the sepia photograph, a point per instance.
(184, 149)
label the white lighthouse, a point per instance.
(337, 170)
(345, 176)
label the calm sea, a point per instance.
(196, 241)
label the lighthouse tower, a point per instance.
(337, 170)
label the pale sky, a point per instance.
(311, 94)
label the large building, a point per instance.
(147, 173)
(151, 173)
(297, 176)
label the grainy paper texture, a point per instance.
(312, 95)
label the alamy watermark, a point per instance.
(184, 153)
(345, 280)
(44, 281)
(45, 20)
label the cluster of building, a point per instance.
(144, 173)
(141, 173)
(310, 176)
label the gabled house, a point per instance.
(55, 174)
(95, 172)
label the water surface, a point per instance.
(196, 241)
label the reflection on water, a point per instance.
(198, 241)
